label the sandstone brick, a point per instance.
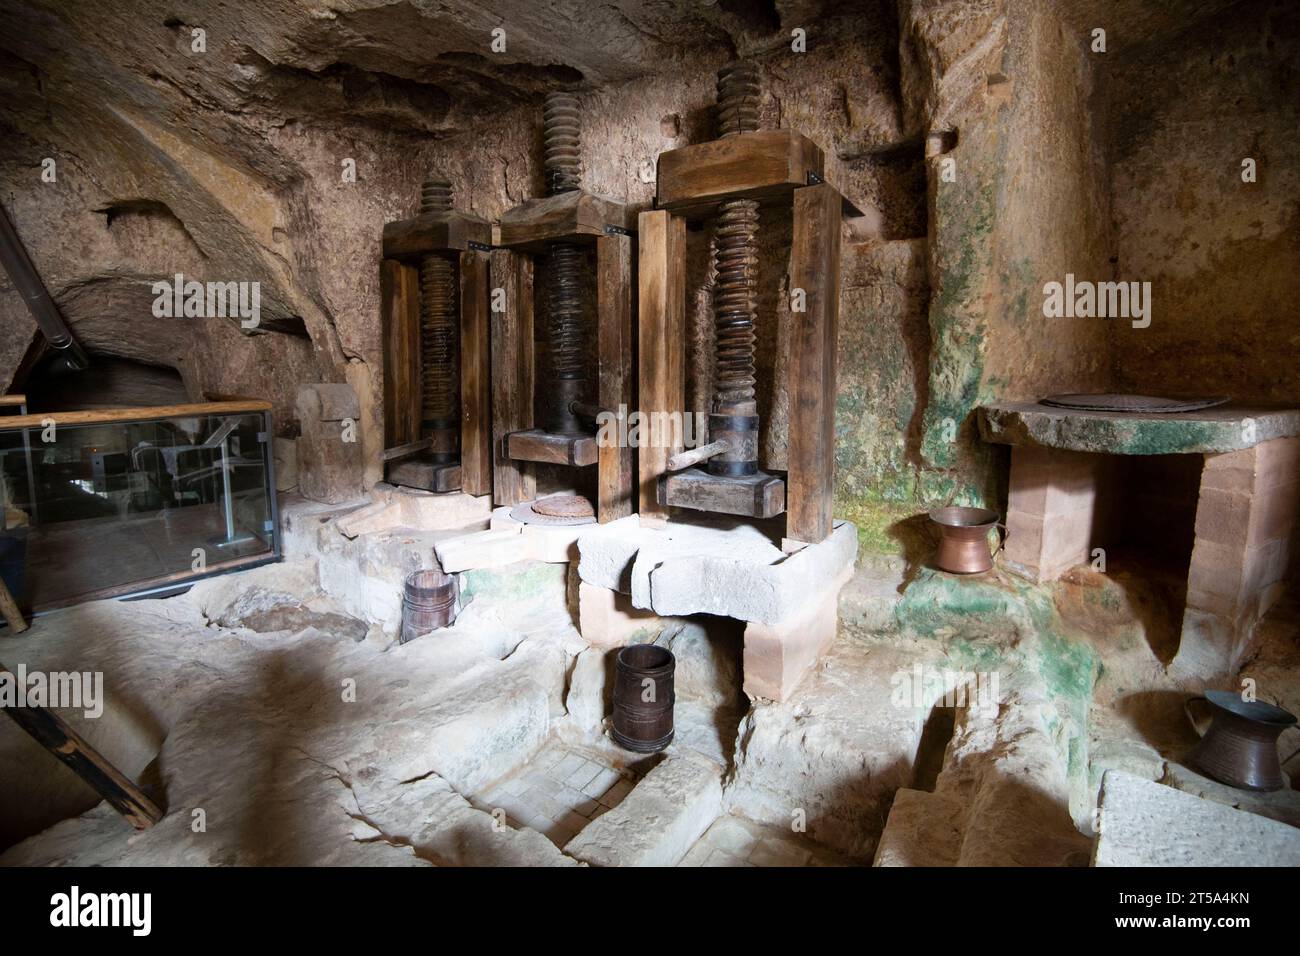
(1277, 463)
(1231, 471)
(607, 618)
(1223, 516)
(778, 655)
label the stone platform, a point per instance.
(630, 573)
(1227, 477)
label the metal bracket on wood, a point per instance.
(814, 179)
(612, 230)
(479, 246)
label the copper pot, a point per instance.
(1240, 746)
(964, 539)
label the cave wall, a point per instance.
(228, 165)
(1220, 253)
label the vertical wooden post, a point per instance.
(475, 376)
(512, 373)
(661, 292)
(814, 268)
(614, 343)
(399, 298)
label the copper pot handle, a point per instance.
(1002, 542)
(1187, 709)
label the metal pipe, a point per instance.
(23, 274)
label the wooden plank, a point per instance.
(815, 268)
(537, 445)
(614, 348)
(107, 416)
(56, 736)
(475, 376)
(763, 165)
(407, 450)
(512, 373)
(425, 475)
(9, 610)
(573, 216)
(399, 314)
(447, 231)
(661, 335)
(7, 400)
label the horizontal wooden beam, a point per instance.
(754, 496)
(767, 164)
(573, 216)
(424, 475)
(537, 445)
(447, 231)
(13, 400)
(108, 416)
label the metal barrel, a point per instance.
(428, 603)
(643, 698)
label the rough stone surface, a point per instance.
(311, 777)
(1148, 824)
(834, 752)
(659, 821)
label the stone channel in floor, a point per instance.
(560, 791)
(735, 841)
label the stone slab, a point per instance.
(659, 821)
(400, 507)
(1148, 824)
(507, 541)
(712, 566)
(1211, 430)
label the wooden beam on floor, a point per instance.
(55, 735)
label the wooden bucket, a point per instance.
(643, 698)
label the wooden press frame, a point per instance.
(405, 242)
(767, 165)
(523, 232)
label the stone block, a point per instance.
(777, 656)
(726, 583)
(1143, 823)
(590, 686)
(399, 507)
(1273, 513)
(1223, 517)
(922, 830)
(607, 618)
(1277, 462)
(330, 466)
(1232, 471)
(659, 820)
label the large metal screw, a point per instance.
(734, 420)
(438, 328)
(561, 133)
